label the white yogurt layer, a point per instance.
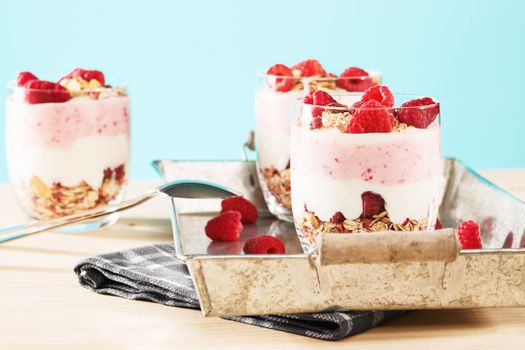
(324, 196)
(273, 113)
(85, 160)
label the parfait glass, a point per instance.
(347, 179)
(68, 156)
(273, 109)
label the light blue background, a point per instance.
(192, 64)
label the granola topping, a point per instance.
(93, 89)
(339, 120)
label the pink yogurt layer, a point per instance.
(59, 125)
(389, 159)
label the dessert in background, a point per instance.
(274, 103)
(67, 142)
(360, 164)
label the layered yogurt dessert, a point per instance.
(360, 164)
(67, 142)
(274, 103)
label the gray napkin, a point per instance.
(153, 273)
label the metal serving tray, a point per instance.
(359, 275)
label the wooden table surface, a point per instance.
(42, 305)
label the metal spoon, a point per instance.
(175, 189)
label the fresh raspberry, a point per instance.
(264, 245)
(438, 225)
(224, 228)
(280, 84)
(248, 211)
(468, 234)
(337, 218)
(355, 107)
(40, 91)
(414, 112)
(309, 68)
(379, 93)
(355, 79)
(373, 204)
(321, 98)
(309, 99)
(87, 75)
(316, 123)
(371, 117)
(23, 77)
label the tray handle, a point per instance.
(388, 247)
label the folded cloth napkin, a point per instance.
(153, 273)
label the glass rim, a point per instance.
(372, 73)
(300, 101)
(11, 85)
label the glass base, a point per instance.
(274, 206)
(91, 225)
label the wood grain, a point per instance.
(43, 307)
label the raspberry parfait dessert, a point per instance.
(274, 100)
(360, 164)
(67, 144)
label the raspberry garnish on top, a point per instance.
(309, 68)
(419, 113)
(379, 93)
(371, 117)
(23, 77)
(280, 84)
(355, 79)
(86, 75)
(468, 235)
(40, 91)
(320, 98)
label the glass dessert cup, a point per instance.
(345, 182)
(273, 109)
(69, 156)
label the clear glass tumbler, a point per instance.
(369, 168)
(66, 157)
(273, 109)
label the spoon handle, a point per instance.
(41, 226)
